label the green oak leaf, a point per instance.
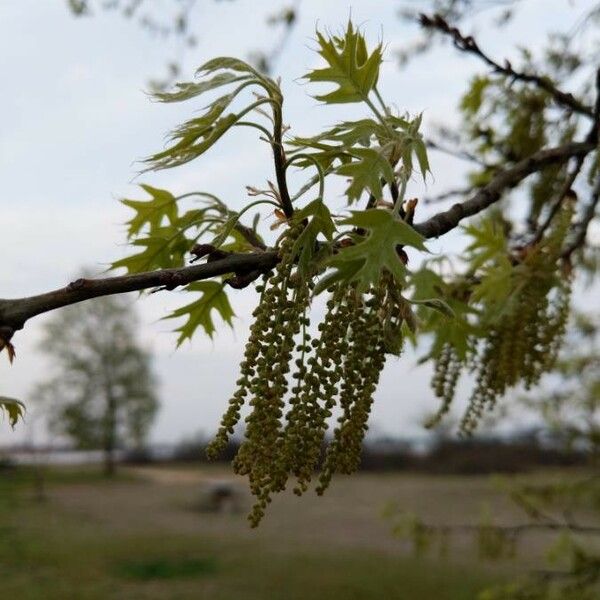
(319, 223)
(489, 242)
(346, 134)
(188, 90)
(426, 283)
(325, 153)
(365, 261)
(163, 205)
(471, 102)
(436, 304)
(349, 66)
(496, 284)
(366, 173)
(166, 249)
(230, 63)
(200, 312)
(14, 410)
(225, 230)
(196, 136)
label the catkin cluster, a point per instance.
(521, 340)
(447, 370)
(294, 382)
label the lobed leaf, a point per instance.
(350, 67)
(365, 261)
(200, 312)
(366, 173)
(14, 410)
(163, 250)
(196, 136)
(188, 90)
(153, 213)
(319, 223)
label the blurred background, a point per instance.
(117, 501)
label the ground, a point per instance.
(142, 536)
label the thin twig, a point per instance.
(455, 152)
(442, 197)
(566, 189)
(469, 45)
(279, 160)
(583, 225)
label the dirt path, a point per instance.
(183, 475)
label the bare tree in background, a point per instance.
(103, 391)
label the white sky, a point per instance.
(74, 119)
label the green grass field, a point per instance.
(141, 536)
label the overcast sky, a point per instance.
(75, 118)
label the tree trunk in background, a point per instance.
(110, 434)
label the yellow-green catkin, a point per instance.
(447, 370)
(363, 362)
(523, 342)
(293, 382)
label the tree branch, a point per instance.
(279, 160)
(443, 196)
(456, 153)
(469, 45)
(15, 313)
(508, 178)
(586, 219)
(565, 192)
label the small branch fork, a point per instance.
(445, 221)
(469, 45)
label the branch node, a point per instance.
(77, 284)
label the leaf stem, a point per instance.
(319, 168)
(279, 159)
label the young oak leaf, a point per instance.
(346, 135)
(319, 223)
(191, 89)
(14, 410)
(224, 63)
(489, 242)
(194, 137)
(163, 205)
(164, 250)
(365, 261)
(200, 312)
(350, 67)
(366, 173)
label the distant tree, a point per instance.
(103, 392)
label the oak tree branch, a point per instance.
(14, 313)
(469, 45)
(445, 221)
